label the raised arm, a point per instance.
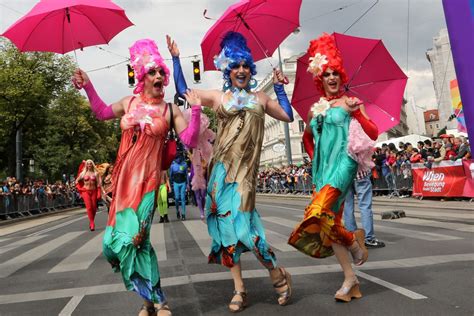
(188, 133)
(209, 98)
(308, 140)
(361, 116)
(280, 108)
(101, 110)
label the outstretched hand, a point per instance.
(172, 46)
(192, 97)
(80, 78)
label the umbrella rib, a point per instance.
(362, 63)
(372, 82)
(100, 32)
(36, 26)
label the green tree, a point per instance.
(28, 83)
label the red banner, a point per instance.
(444, 179)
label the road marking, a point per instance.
(414, 234)
(46, 230)
(11, 266)
(157, 238)
(20, 242)
(426, 222)
(71, 305)
(82, 258)
(386, 229)
(207, 277)
(278, 241)
(391, 286)
(198, 229)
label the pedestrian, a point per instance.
(179, 180)
(107, 185)
(362, 187)
(162, 199)
(145, 120)
(343, 138)
(233, 221)
(89, 186)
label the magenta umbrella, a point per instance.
(374, 77)
(61, 26)
(264, 23)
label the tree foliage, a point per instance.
(58, 128)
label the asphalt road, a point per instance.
(53, 266)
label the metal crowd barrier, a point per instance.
(20, 205)
(278, 185)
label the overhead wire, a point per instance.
(359, 18)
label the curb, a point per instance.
(464, 206)
(24, 218)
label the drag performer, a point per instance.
(200, 156)
(343, 138)
(88, 185)
(145, 122)
(233, 222)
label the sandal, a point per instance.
(348, 291)
(285, 295)
(163, 307)
(358, 250)
(240, 304)
(151, 310)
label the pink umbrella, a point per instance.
(374, 77)
(61, 26)
(264, 23)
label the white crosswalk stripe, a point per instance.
(82, 258)
(157, 238)
(11, 266)
(198, 229)
(20, 242)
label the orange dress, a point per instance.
(126, 241)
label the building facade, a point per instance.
(442, 66)
(432, 124)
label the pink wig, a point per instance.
(144, 55)
(326, 45)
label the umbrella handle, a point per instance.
(75, 84)
(286, 81)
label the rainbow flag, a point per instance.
(457, 105)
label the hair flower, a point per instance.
(316, 63)
(222, 61)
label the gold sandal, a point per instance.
(163, 307)
(349, 291)
(358, 250)
(240, 304)
(283, 296)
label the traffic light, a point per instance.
(131, 76)
(196, 71)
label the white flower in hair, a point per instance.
(316, 63)
(222, 61)
(320, 107)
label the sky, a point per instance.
(407, 28)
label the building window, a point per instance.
(301, 126)
(437, 125)
(303, 151)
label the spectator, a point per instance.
(439, 150)
(462, 149)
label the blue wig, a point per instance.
(234, 47)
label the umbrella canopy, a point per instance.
(61, 26)
(374, 77)
(264, 23)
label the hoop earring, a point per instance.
(253, 83)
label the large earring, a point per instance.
(253, 83)
(226, 85)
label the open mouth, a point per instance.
(241, 78)
(158, 85)
(333, 85)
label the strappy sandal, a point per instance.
(240, 304)
(358, 250)
(348, 291)
(283, 296)
(163, 307)
(151, 310)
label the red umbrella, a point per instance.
(374, 77)
(61, 26)
(264, 23)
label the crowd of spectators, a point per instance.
(392, 173)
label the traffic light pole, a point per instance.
(286, 126)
